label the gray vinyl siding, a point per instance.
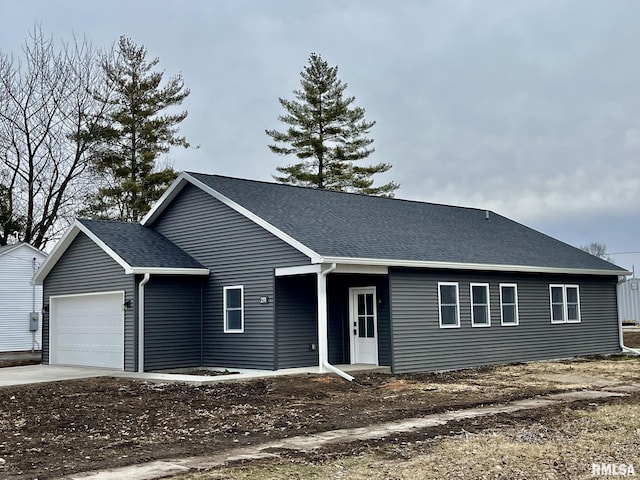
(420, 344)
(296, 321)
(338, 286)
(172, 322)
(85, 268)
(238, 252)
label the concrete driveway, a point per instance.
(47, 373)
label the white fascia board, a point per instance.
(59, 248)
(64, 243)
(340, 268)
(34, 249)
(362, 269)
(167, 271)
(253, 217)
(170, 193)
(10, 249)
(21, 245)
(466, 266)
(301, 270)
(104, 247)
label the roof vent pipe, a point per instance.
(486, 214)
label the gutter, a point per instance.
(323, 346)
(143, 282)
(624, 348)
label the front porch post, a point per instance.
(323, 339)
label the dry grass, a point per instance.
(559, 447)
(632, 339)
(561, 442)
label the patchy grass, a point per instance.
(54, 429)
(554, 443)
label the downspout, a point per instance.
(323, 342)
(141, 285)
(624, 348)
(34, 269)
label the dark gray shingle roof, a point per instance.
(337, 224)
(140, 246)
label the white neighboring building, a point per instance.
(19, 298)
(629, 300)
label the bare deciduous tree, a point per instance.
(49, 117)
(597, 249)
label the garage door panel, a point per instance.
(88, 330)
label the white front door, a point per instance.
(363, 325)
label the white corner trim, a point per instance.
(251, 216)
(464, 266)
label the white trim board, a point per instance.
(77, 227)
(347, 263)
(465, 266)
(179, 184)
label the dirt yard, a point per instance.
(49, 430)
(632, 339)
(559, 442)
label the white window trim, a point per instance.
(455, 284)
(224, 308)
(565, 304)
(502, 322)
(473, 320)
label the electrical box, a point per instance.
(33, 321)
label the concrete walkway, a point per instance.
(165, 468)
(27, 374)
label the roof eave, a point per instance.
(167, 271)
(182, 180)
(163, 202)
(467, 266)
(63, 244)
(20, 245)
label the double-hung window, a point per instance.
(449, 304)
(509, 304)
(565, 303)
(480, 312)
(233, 307)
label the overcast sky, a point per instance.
(528, 108)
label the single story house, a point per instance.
(20, 300)
(227, 272)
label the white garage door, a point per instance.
(88, 330)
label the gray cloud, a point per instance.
(528, 108)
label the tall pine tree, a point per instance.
(134, 134)
(328, 135)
